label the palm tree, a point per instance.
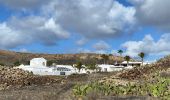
(120, 52)
(105, 57)
(127, 58)
(141, 55)
(79, 65)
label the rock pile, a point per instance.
(165, 73)
(116, 82)
(12, 76)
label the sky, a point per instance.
(86, 26)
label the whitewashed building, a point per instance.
(38, 62)
(38, 67)
(109, 68)
(119, 66)
(63, 70)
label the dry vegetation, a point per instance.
(150, 82)
(16, 84)
(142, 83)
(143, 72)
(9, 58)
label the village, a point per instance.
(38, 66)
(84, 50)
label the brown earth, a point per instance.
(144, 71)
(49, 87)
(16, 84)
(10, 57)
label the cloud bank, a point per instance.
(153, 12)
(57, 20)
(149, 46)
(49, 21)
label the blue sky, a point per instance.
(92, 26)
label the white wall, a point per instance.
(109, 68)
(38, 62)
(44, 70)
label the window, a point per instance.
(63, 69)
(62, 73)
(43, 63)
(105, 69)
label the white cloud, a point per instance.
(10, 38)
(83, 50)
(149, 46)
(153, 12)
(101, 45)
(24, 4)
(82, 41)
(20, 31)
(92, 18)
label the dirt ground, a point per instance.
(61, 89)
(45, 92)
(57, 91)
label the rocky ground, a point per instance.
(143, 72)
(16, 84)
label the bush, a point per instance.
(50, 62)
(156, 88)
(17, 63)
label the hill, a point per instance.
(161, 65)
(10, 57)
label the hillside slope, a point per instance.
(143, 72)
(10, 57)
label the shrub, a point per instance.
(17, 63)
(156, 88)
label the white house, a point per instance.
(119, 66)
(130, 63)
(109, 68)
(38, 62)
(38, 67)
(63, 69)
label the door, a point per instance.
(62, 73)
(105, 69)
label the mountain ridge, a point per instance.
(10, 57)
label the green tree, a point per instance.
(127, 58)
(120, 52)
(105, 58)
(141, 55)
(79, 65)
(17, 63)
(50, 62)
(91, 66)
